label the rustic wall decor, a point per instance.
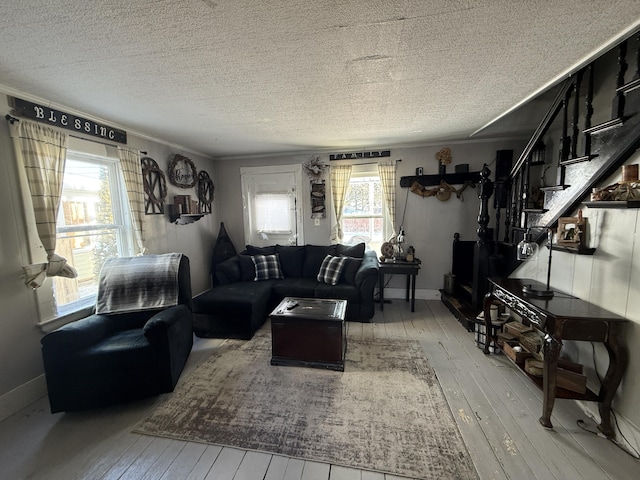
(318, 208)
(314, 169)
(155, 187)
(45, 114)
(205, 191)
(572, 231)
(182, 172)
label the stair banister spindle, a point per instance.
(588, 114)
(636, 76)
(617, 110)
(565, 139)
(575, 132)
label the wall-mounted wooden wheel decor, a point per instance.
(182, 172)
(205, 191)
(155, 187)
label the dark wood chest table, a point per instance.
(564, 317)
(309, 332)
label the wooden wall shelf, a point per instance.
(433, 180)
(185, 218)
(574, 250)
(614, 204)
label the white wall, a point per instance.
(21, 370)
(610, 279)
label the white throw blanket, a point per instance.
(138, 283)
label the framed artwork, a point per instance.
(571, 231)
(182, 172)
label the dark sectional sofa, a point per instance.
(238, 304)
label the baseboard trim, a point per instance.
(23, 396)
(421, 294)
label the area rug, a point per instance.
(386, 412)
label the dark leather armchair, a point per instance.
(113, 357)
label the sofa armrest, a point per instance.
(368, 268)
(165, 320)
(77, 335)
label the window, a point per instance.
(93, 225)
(271, 207)
(364, 214)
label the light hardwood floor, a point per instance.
(495, 406)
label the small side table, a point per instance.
(397, 267)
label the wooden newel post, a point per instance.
(482, 248)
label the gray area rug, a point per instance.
(385, 413)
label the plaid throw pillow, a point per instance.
(267, 266)
(331, 269)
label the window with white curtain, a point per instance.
(93, 224)
(272, 211)
(269, 213)
(363, 214)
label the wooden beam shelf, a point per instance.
(432, 180)
(574, 250)
(614, 204)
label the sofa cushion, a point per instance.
(253, 250)
(350, 270)
(313, 257)
(343, 292)
(247, 268)
(228, 271)
(293, 287)
(331, 269)
(267, 267)
(351, 250)
(291, 260)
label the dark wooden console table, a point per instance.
(564, 317)
(410, 269)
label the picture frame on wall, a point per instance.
(571, 231)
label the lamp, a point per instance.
(526, 249)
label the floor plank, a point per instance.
(493, 404)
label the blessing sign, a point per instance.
(40, 113)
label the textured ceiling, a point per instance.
(233, 77)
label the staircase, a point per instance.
(540, 189)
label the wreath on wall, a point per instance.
(182, 172)
(314, 169)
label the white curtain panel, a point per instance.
(134, 182)
(43, 152)
(387, 172)
(340, 176)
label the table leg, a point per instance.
(381, 280)
(413, 293)
(618, 359)
(552, 347)
(488, 300)
(406, 291)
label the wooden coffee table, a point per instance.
(309, 332)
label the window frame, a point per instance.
(121, 225)
(363, 171)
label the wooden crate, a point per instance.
(517, 328)
(518, 357)
(573, 381)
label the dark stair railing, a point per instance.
(586, 157)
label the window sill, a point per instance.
(79, 311)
